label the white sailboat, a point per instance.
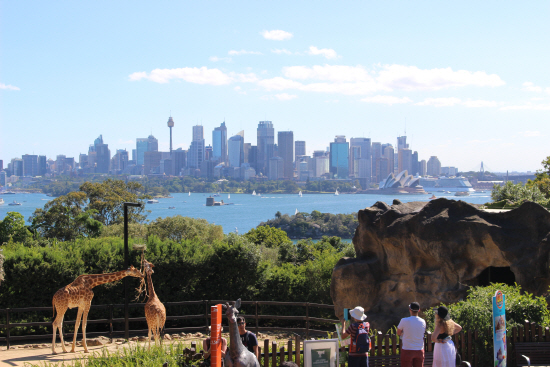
(296, 212)
(300, 194)
(229, 196)
(189, 193)
(336, 193)
(254, 193)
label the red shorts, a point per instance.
(412, 358)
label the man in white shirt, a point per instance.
(411, 329)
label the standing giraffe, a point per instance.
(155, 313)
(79, 294)
(238, 355)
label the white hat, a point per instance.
(358, 313)
(210, 328)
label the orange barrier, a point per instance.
(216, 336)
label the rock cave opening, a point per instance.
(494, 274)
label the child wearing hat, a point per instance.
(358, 331)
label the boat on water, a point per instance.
(296, 212)
(1, 201)
(189, 193)
(152, 201)
(336, 193)
(229, 196)
(254, 193)
(14, 203)
(462, 193)
(171, 207)
(433, 197)
(300, 194)
(7, 193)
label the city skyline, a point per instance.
(465, 82)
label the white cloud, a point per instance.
(412, 78)
(239, 90)
(285, 96)
(279, 83)
(326, 52)
(389, 100)
(201, 75)
(439, 102)
(480, 103)
(243, 52)
(530, 133)
(216, 59)
(531, 87)
(528, 106)
(276, 35)
(333, 73)
(8, 87)
(281, 51)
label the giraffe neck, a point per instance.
(98, 279)
(152, 293)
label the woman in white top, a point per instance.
(444, 349)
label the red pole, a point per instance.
(216, 336)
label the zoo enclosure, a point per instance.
(202, 319)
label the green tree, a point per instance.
(268, 236)
(178, 228)
(13, 227)
(518, 193)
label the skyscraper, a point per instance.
(219, 143)
(415, 169)
(364, 145)
(30, 165)
(42, 166)
(433, 166)
(103, 155)
(195, 155)
(405, 160)
(285, 141)
(376, 154)
(338, 159)
(266, 144)
(149, 144)
(170, 125)
(401, 144)
(236, 149)
(299, 149)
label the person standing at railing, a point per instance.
(359, 345)
(411, 329)
(248, 338)
(444, 348)
(206, 347)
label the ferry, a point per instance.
(14, 203)
(152, 201)
(443, 184)
(462, 193)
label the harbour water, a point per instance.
(247, 211)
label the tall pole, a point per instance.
(126, 265)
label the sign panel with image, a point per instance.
(321, 353)
(499, 329)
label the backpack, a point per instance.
(361, 344)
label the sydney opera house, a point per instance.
(403, 183)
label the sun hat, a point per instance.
(358, 313)
(443, 313)
(221, 329)
(414, 306)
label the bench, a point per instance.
(394, 360)
(538, 353)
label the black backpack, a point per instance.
(362, 339)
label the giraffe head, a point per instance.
(148, 267)
(231, 311)
(133, 272)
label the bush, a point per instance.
(518, 193)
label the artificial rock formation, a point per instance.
(432, 252)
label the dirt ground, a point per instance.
(39, 354)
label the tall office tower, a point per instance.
(401, 144)
(69, 164)
(170, 125)
(236, 149)
(17, 167)
(149, 144)
(60, 164)
(376, 153)
(388, 152)
(179, 161)
(276, 168)
(219, 143)
(383, 168)
(433, 166)
(266, 145)
(120, 160)
(42, 167)
(30, 165)
(353, 164)
(3, 178)
(102, 155)
(285, 145)
(208, 153)
(247, 147)
(195, 155)
(339, 157)
(1, 165)
(151, 162)
(422, 171)
(414, 164)
(299, 149)
(364, 145)
(405, 160)
(253, 157)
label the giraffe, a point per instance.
(155, 313)
(79, 294)
(238, 355)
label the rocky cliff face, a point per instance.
(431, 252)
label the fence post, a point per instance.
(298, 350)
(307, 320)
(206, 302)
(266, 353)
(257, 324)
(379, 343)
(273, 354)
(282, 354)
(289, 350)
(470, 351)
(387, 344)
(8, 328)
(526, 331)
(111, 321)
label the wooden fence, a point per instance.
(203, 319)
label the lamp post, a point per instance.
(126, 265)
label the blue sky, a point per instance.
(468, 80)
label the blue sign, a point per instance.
(499, 329)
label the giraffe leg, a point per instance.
(149, 338)
(76, 326)
(58, 324)
(84, 323)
